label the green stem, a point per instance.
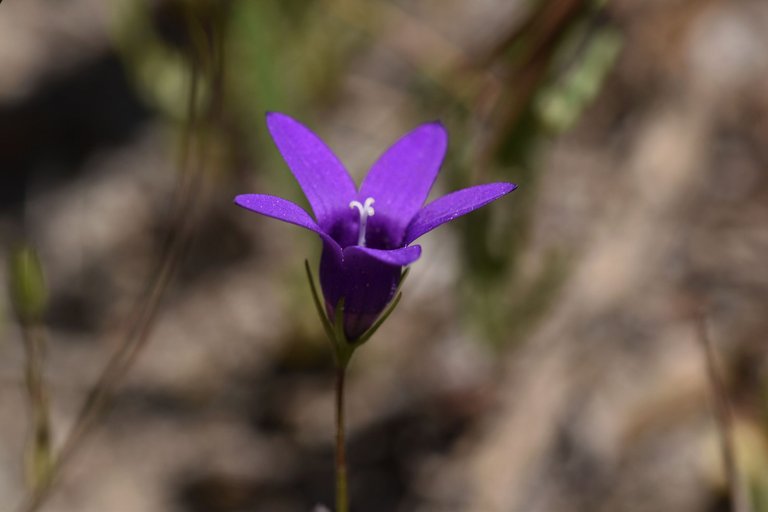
(342, 493)
(39, 461)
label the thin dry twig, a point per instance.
(724, 419)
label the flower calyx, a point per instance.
(342, 346)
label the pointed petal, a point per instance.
(399, 257)
(454, 205)
(321, 175)
(401, 178)
(284, 210)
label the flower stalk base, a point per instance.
(343, 348)
(342, 492)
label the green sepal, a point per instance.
(318, 303)
(343, 347)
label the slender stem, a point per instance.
(724, 419)
(342, 493)
(40, 442)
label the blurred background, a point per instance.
(546, 355)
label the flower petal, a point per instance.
(321, 175)
(282, 209)
(454, 205)
(366, 278)
(399, 257)
(401, 178)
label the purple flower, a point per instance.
(366, 232)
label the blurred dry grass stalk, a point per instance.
(571, 381)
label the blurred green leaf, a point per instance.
(28, 291)
(159, 70)
(561, 103)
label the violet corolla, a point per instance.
(366, 232)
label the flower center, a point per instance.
(365, 210)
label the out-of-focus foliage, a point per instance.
(28, 291)
(562, 102)
(262, 69)
(29, 296)
(556, 67)
(752, 452)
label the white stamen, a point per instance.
(366, 210)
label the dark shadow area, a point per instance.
(54, 129)
(382, 458)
